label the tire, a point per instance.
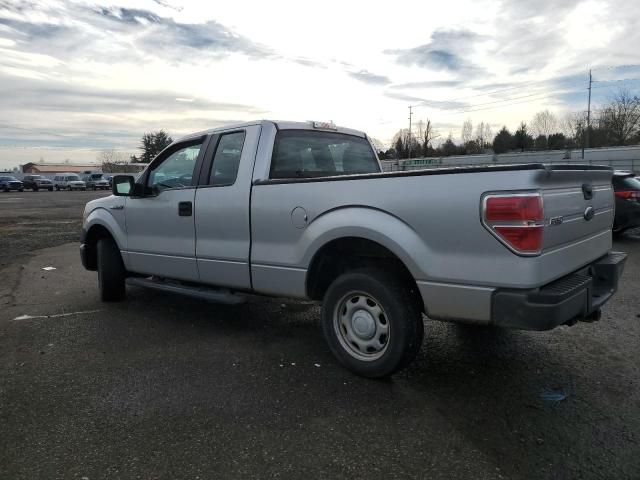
(84, 189)
(51, 189)
(391, 327)
(57, 188)
(35, 189)
(21, 189)
(111, 272)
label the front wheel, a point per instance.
(372, 322)
(111, 272)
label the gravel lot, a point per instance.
(166, 387)
(32, 220)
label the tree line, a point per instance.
(615, 124)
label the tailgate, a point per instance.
(578, 205)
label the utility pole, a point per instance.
(410, 115)
(585, 140)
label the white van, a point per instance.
(68, 181)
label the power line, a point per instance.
(422, 103)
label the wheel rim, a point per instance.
(362, 326)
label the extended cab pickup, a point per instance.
(304, 210)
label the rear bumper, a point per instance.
(574, 297)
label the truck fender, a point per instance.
(102, 217)
(371, 224)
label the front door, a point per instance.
(160, 226)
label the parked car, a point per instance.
(304, 210)
(37, 182)
(11, 183)
(627, 191)
(96, 181)
(68, 181)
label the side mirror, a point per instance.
(123, 185)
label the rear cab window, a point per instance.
(226, 160)
(311, 154)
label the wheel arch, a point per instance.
(348, 253)
(100, 224)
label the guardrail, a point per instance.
(619, 158)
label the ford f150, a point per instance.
(304, 210)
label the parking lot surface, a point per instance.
(32, 220)
(162, 386)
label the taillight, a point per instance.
(516, 219)
(628, 194)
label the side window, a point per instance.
(175, 171)
(306, 153)
(227, 159)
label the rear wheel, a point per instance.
(57, 188)
(50, 189)
(372, 322)
(35, 188)
(111, 272)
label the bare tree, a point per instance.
(573, 125)
(488, 135)
(621, 118)
(543, 123)
(467, 131)
(114, 161)
(484, 135)
(427, 136)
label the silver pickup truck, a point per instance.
(304, 210)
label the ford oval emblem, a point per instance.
(589, 213)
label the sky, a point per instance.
(78, 77)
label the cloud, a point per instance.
(166, 36)
(447, 51)
(121, 34)
(370, 78)
(427, 84)
(100, 118)
(439, 104)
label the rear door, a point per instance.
(222, 208)
(160, 225)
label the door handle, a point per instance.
(185, 209)
(117, 207)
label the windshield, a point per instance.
(73, 177)
(305, 153)
(96, 176)
(9, 179)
